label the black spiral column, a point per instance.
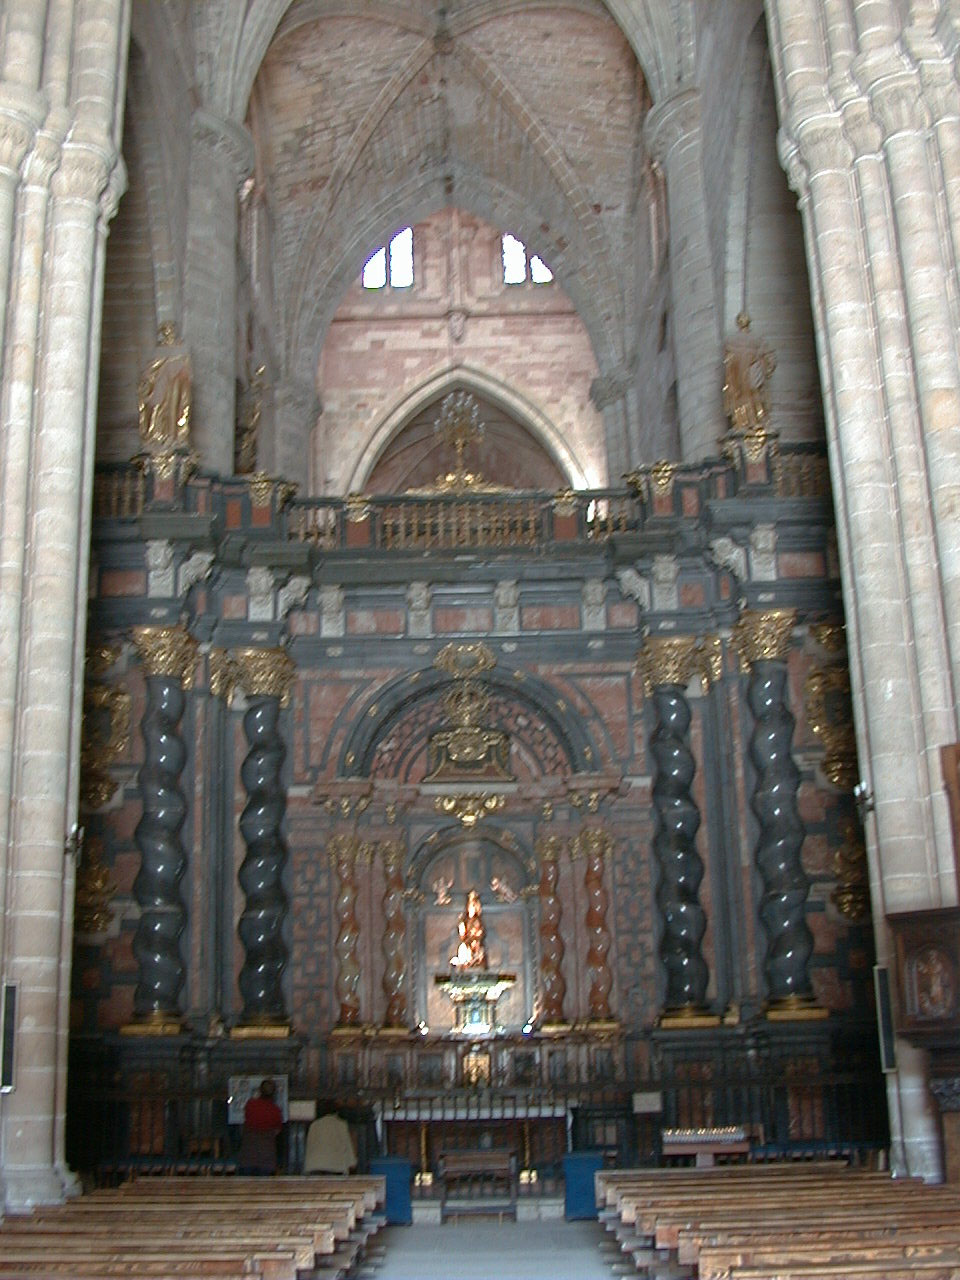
(667, 664)
(168, 655)
(265, 675)
(762, 638)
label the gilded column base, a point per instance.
(393, 1032)
(349, 1029)
(688, 1015)
(603, 1026)
(555, 1028)
(155, 1024)
(261, 1031)
(796, 1009)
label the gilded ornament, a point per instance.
(852, 894)
(223, 674)
(748, 363)
(763, 635)
(548, 849)
(100, 658)
(94, 891)
(827, 698)
(831, 636)
(357, 508)
(564, 503)
(658, 478)
(592, 842)
(668, 660)
(105, 737)
(167, 651)
(711, 659)
(468, 809)
(457, 426)
(393, 853)
(266, 673)
(343, 849)
(465, 661)
(261, 487)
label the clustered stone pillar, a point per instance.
(553, 988)
(394, 937)
(762, 639)
(668, 663)
(594, 845)
(169, 655)
(265, 675)
(344, 852)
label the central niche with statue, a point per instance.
(474, 928)
(471, 988)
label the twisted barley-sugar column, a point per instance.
(265, 675)
(344, 850)
(667, 664)
(553, 988)
(168, 655)
(594, 845)
(762, 639)
(394, 942)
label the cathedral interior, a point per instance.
(504, 673)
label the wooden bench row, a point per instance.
(781, 1223)
(192, 1229)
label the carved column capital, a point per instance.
(224, 138)
(671, 121)
(266, 673)
(763, 635)
(167, 651)
(667, 660)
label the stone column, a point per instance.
(762, 640)
(394, 938)
(70, 180)
(673, 134)
(296, 407)
(221, 155)
(595, 846)
(668, 663)
(265, 675)
(344, 851)
(168, 655)
(553, 988)
(881, 269)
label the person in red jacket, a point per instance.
(262, 1122)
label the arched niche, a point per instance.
(442, 874)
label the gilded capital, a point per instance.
(223, 674)
(667, 660)
(167, 651)
(393, 853)
(343, 850)
(591, 843)
(549, 848)
(763, 635)
(266, 673)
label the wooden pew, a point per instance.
(742, 1223)
(195, 1230)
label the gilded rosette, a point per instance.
(266, 673)
(167, 651)
(668, 660)
(763, 635)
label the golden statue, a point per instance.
(248, 428)
(163, 394)
(471, 953)
(747, 365)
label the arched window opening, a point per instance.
(391, 263)
(519, 267)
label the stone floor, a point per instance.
(484, 1249)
